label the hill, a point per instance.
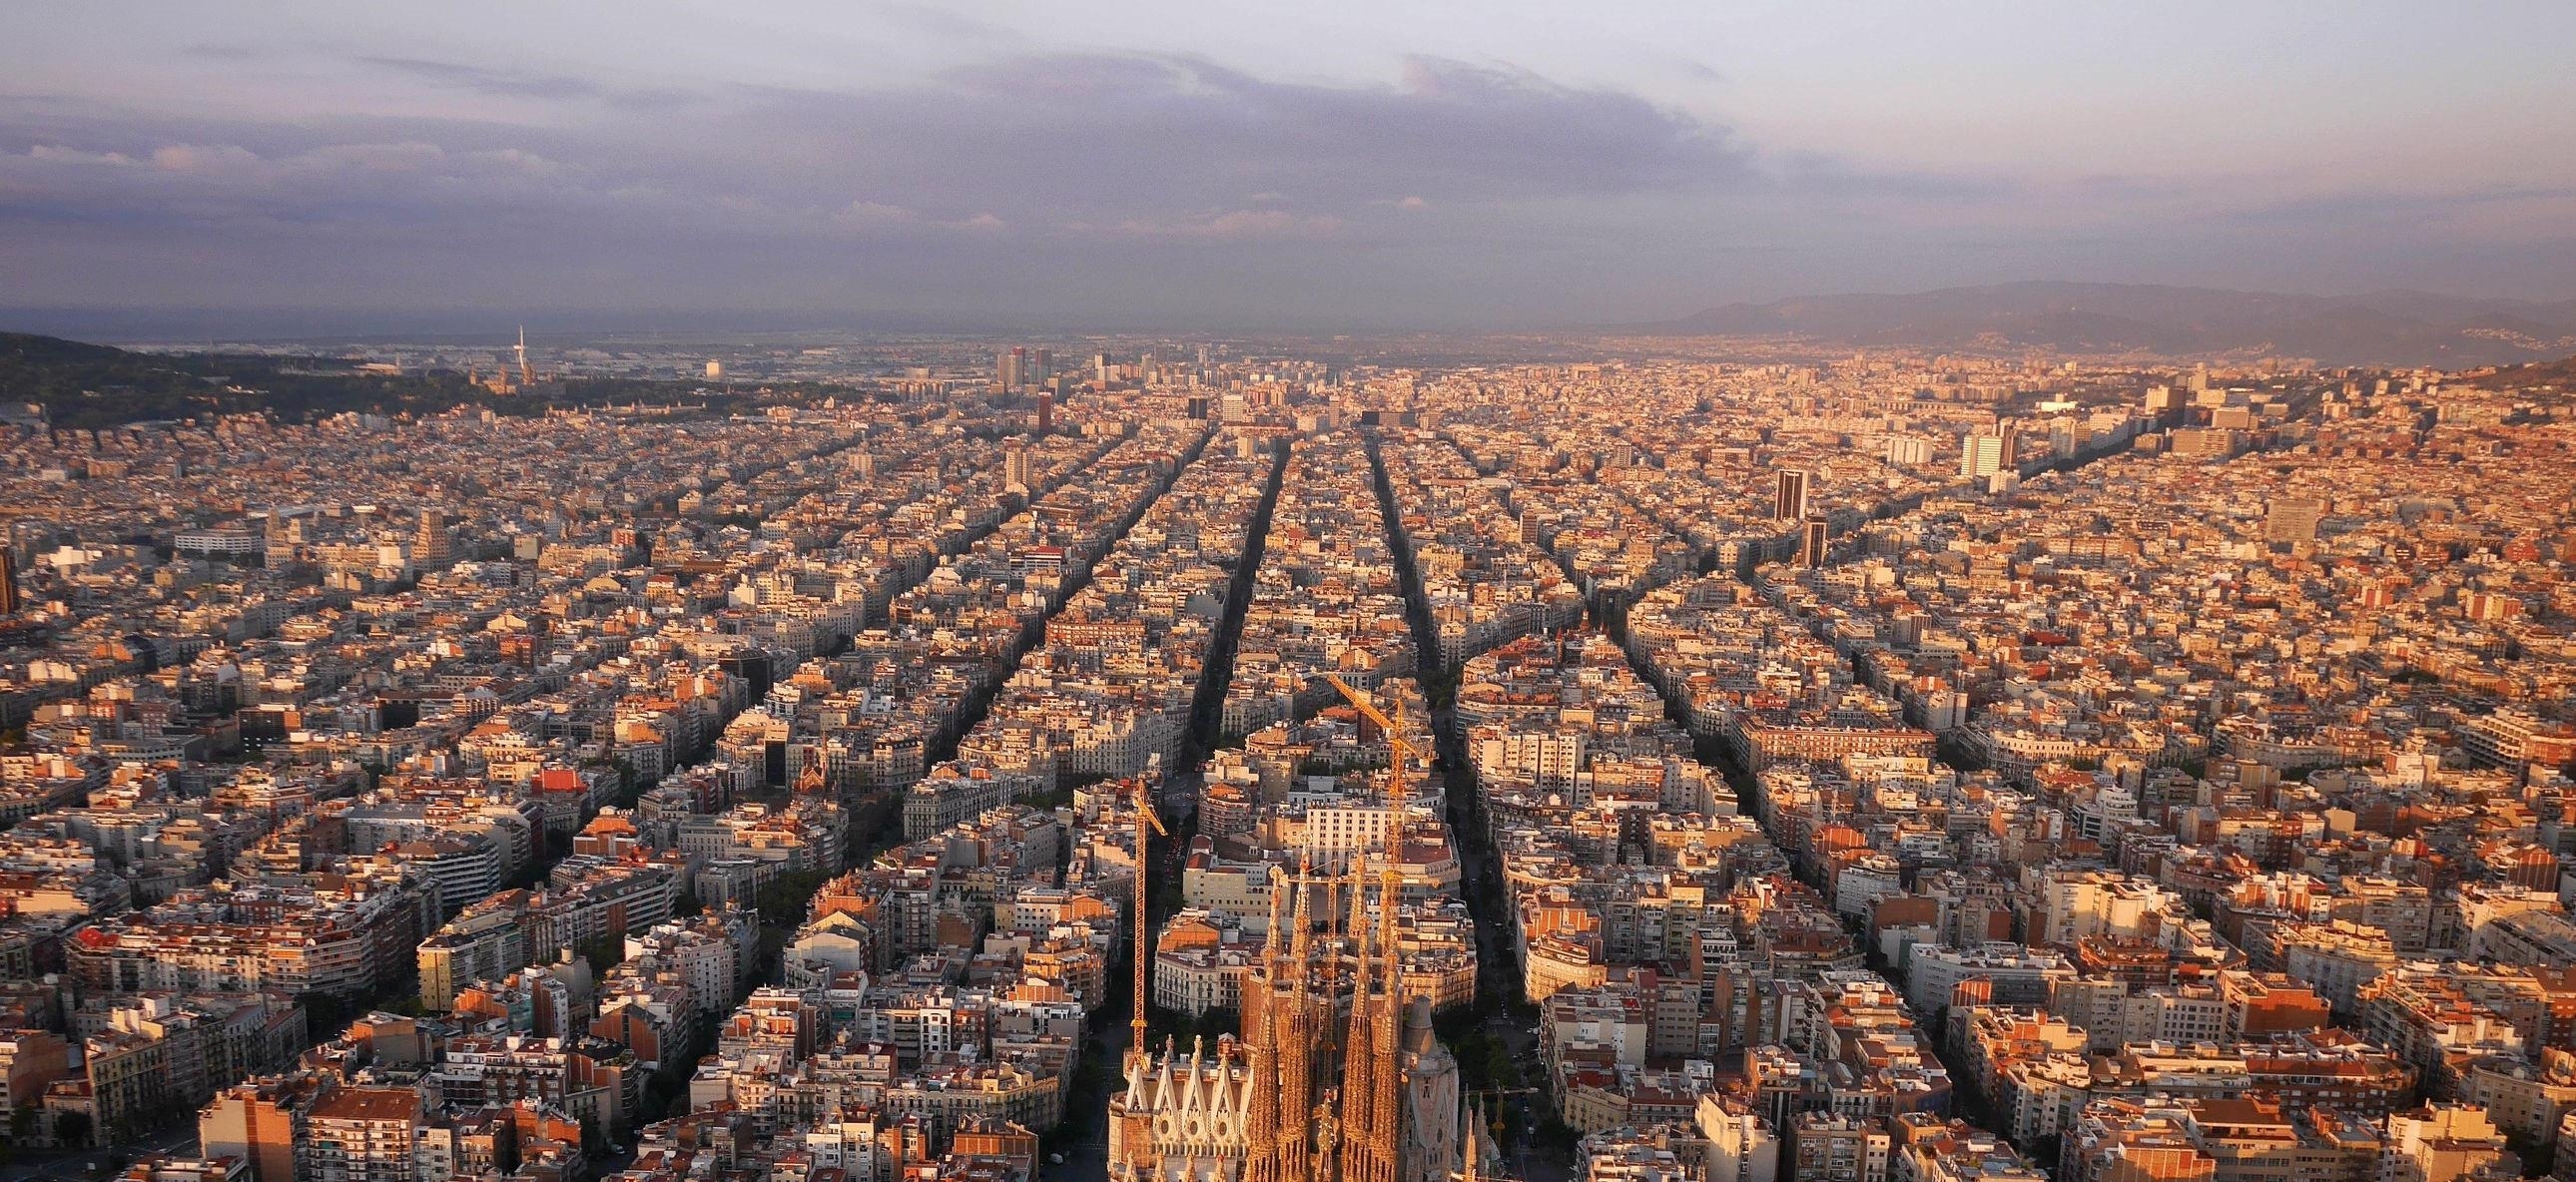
(2542, 375)
(92, 386)
(2390, 328)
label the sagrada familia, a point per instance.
(1337, 1077)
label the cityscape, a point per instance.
(1883, 766)
(950, 593)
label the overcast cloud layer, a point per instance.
(1208, 165)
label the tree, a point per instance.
(72, 1129)
(325, 1014)
(604, 952)
(783, 902)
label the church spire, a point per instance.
(1359, 1044)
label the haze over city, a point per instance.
(1339, 166)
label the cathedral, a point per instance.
(1337, 1077)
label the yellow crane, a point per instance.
(1147, 824)
(1397, 749)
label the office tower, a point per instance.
(1011, 368)
(2293, 519)
(1018, 470)
(430, 547)
(1041, 366)
(1100, 368)
(1982, 455)
(8, 582)
(715, 371)
(1789, 503)
(1811, 542)
(1046, 412)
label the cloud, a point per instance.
(1236, 226)
(515, 84)
(875, 213)
(1112, 181)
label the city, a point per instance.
(1210, 591)
(1878, 768)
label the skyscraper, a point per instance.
(1789, 503)
(430, 546)
(1811, 543)
(1046, 412)
(8, 582)
(1986, 453)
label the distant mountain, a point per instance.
(91, 386)
(2390, 328)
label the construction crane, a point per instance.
(1147, 824)
(1397, 749)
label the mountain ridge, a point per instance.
(2395, 327)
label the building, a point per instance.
(2017, 975)
(1984, 455)
(2293, 519)
(2444, 1142)
(1789, 501)
(30, 1062)
(431, 547)
(260, 1122)
(2119, 1140)
(362, 1135)
(1812, 537)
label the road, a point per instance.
(55, 1165)
(1084, 1143)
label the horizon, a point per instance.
(1331, 168)
(177, 326)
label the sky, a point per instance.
(1327, 164)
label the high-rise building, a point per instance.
(1011, 368)
(715, 371)
(1789, 502)
(1984, 454)
(431, 546)
(1046, 412)
(1811, 542)
(1019, 468)
(8, 582)
(1908, 451)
